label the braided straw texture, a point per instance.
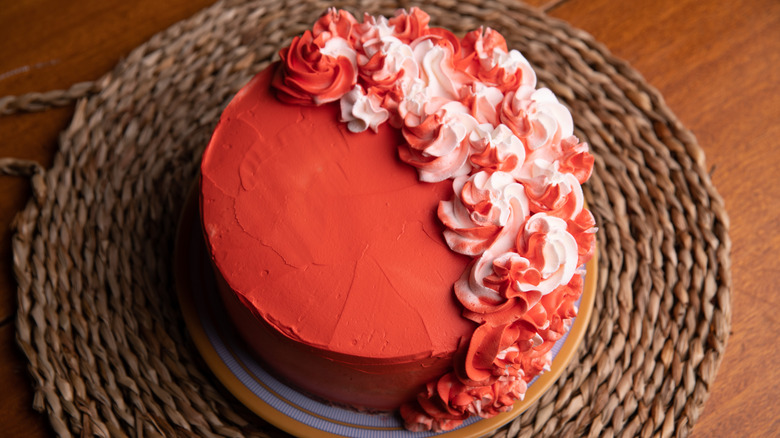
(98, 319)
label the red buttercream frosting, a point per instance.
(310, 77)
(326, 243)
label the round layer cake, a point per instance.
(332, 262)
(396, 218)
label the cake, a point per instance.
(395, 218)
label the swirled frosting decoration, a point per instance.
(469, 111)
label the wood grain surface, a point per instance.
(715, 62)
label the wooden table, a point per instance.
(716, 63)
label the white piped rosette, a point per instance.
(469, 111)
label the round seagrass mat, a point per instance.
(98, 318)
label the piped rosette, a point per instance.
(469, 111)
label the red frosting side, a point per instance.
(332, 244)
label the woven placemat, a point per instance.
(98, 318)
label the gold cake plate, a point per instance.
(290, 410)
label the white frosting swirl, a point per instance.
(549, 190)
(437, 143)
(436, 66)
(545, 120)
(456, 124)
(471, 289)
(360, 111)
(398, 67)
(501, 148)
(511, 62)
(374, 29)
(420, 101)
(554, 120)
(552, 251)
(484, 103)
(480, 208)
(545, 258)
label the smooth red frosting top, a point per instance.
(326, 234)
